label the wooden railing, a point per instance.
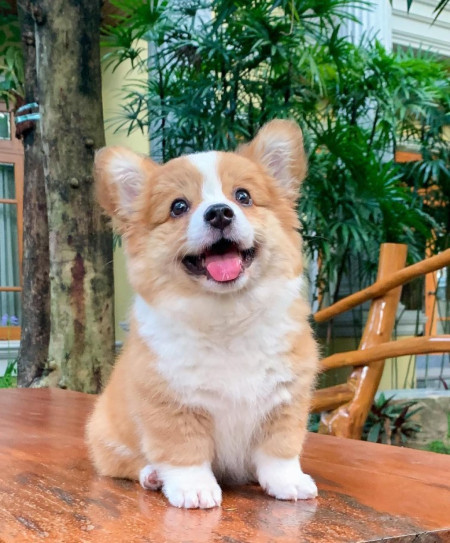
(345, 407)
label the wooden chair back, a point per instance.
(345, 407)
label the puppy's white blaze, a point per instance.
(199, 233)
(190, 486)
(206, 163)
(283, 478)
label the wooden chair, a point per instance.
(345, 407)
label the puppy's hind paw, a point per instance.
(148, 477)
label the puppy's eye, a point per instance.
(179, 207)
(243, 197)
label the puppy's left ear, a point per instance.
(278, 146)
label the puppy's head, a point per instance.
(210, 222)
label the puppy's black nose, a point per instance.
(219, 215)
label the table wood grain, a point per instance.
(49, 491)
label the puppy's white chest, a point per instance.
(206, 363)
(237, 369)
(237, 425)
(238, 383)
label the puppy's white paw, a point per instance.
(301, 488)
(190, 487)
(198, 497)
(148, 477)
(283, 478)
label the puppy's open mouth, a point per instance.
(222, 262)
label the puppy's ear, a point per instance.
(278, 146)
(120, 175)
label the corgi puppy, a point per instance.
(215, 377)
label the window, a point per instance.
(11, 208)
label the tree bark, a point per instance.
(81, 350)
(35, 332)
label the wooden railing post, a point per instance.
(348, 420)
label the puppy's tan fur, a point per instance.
(142, 418)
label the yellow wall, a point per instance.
(112, 83)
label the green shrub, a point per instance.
(438, 447)
(314, 422)
(391, 423)
(12, 73)
(219, 69)
(9, 379)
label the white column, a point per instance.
(373, 22)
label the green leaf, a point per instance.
(374, 433)
(439, 8)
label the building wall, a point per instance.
(418, 29)
(112, 81)
(394, 26)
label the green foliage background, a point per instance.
(219, 69)
(11, 58)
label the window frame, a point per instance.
(11, 152)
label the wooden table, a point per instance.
(49, 492)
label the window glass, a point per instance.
(10, 309)
(10, 273)
(7, 185)
(5, 129)
(9, 247)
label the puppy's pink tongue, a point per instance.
(224, 267)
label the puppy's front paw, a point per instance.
(283, 478)
(191, 487)
(300, 488)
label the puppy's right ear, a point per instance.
(120, 175)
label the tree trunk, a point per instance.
(81, 350)
(35, 331)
